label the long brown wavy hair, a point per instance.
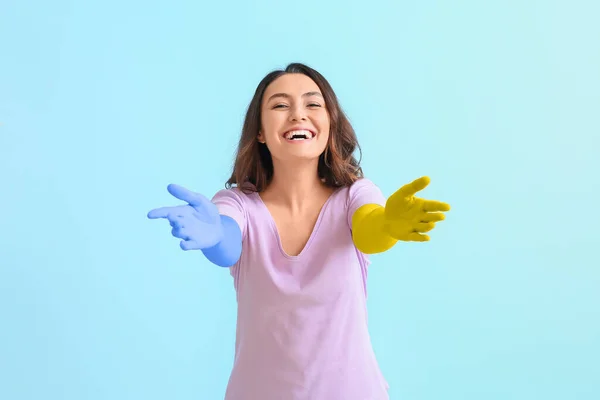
(253, 167)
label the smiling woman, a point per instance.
(296, 224)
(284, 94)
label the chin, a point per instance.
(298, 156)
(305, 157)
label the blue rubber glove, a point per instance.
(200, 227)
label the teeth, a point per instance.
(305, 134)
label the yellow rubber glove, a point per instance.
(407, 217)
(376, 229)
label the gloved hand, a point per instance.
(197, 223)
(407, 217)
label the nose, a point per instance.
(298, 113)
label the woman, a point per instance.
(296, 224)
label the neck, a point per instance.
(296, 187)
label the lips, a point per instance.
(299, 134)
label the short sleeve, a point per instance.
(363, 192)
(230, 203)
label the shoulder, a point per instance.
(362, 192)
(231, 193)
(243, 200)
(234, 203)
(362, 184)
(235, 194)
(359, 191)
(364, 188)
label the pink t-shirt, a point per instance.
(302, 320)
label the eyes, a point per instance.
(310, 105)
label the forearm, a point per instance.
(368, 230)
(227, 252)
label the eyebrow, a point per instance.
(287, 96)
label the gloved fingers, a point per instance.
(168, 212)
(424, 227)
(192, 198)
(176, 221)
(417, 237)
(434, 205)
(162, 212)
(189, 245)
(404, 197)
(415, 186)
(432, 217)
(179, 233)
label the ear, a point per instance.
(260, 138)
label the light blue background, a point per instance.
(102, 104)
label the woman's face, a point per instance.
(295, 121)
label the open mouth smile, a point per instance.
(299, 135)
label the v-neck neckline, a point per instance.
(312, 233)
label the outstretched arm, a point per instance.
(200, 226)
(228, 250)
(376, 229)
(368, 230)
